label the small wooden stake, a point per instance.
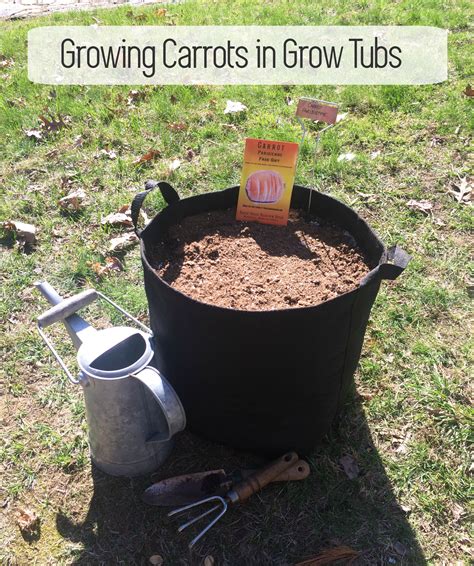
(318, 111)
(318, 137)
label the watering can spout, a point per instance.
(78, 329)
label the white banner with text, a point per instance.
(221, 55)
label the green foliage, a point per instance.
(414, 372)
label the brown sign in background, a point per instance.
(317, 110)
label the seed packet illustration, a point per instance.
(267, 181)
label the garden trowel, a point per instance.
(189, 488)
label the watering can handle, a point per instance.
(67, 307)
(61, 311)
(169, 194)
(168, 400)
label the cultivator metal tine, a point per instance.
(221, 503)
(196, 519)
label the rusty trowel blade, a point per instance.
(188, 488)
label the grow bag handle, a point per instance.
(168, 192)
(393, 262)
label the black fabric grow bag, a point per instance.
(286, 393)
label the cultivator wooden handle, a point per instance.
(298, 471)
(258, 480)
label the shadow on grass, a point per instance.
(283, 525)
(9, 241)
(32, 534)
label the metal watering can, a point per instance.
(132, 411)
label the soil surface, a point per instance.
(249, 266)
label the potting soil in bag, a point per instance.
(252, 266)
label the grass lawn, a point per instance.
(409, 427)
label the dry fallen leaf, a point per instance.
(35, 134)
(230, 127)
(177, 126)
(436, 141)
(190, 154)
(462, 191)
(110, 153)
(209, 560)
(401, 442)
(457, 511)
(233, 107)
(25, 233)
(346, 157)
(66, 181)
(118, 219)
(400, 548)
(53, 124)
(6, 62)
(161, 12)
(369, 197)
(124, 211)
(148, 156)
(424, 206)
(78, 141)
(469, 91)
(48, 125)
(402, 449)
(349, 466)
(112, 264)
(123, 242)
(27, 520)
(175, 164)
(73, 202)
(52, 153)
(136, 17)
(18, 102)
(135, 96)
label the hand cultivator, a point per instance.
(239, 492)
